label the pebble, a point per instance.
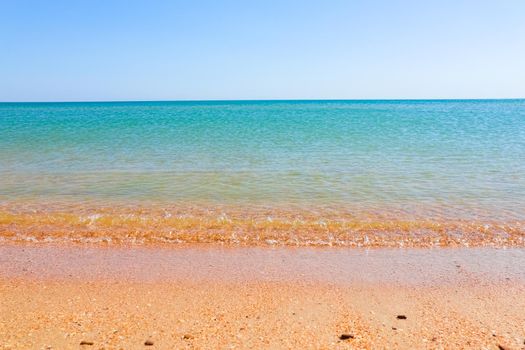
(148, 343)
(346, 336)
(502, 347)
(187, 336)
(86, 342)
(401, 317)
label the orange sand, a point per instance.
(114, 315)
(205, 297)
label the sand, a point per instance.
(56, 297)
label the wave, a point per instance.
(248, 227)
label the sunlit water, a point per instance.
(290, 169)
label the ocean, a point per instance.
(349, 173)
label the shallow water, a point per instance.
(407, 167)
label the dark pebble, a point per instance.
(345, 336)
(501, 347)
(148, 343)
(394, 328)
(85, 342)
(401, 317)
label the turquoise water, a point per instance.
(433, 158)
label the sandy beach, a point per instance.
(61, 297)
(262, 175)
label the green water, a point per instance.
(435, 158)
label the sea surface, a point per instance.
(396, 173)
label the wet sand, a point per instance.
(57, 296)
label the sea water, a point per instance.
(386, 162)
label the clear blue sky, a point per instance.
(168, 50)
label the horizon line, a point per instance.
(275, 99)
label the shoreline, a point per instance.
(246, 226)
(200, 296)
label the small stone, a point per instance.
(502, 347)
(394, 328)
(401, 317)
(148, 343)
(86, 342)
(346, 336)
(187, 336)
